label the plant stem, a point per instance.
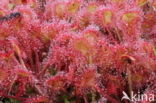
(129, 82)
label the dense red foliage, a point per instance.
(76, 51)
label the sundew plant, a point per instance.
(77, 51)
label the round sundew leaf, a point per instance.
(3, 36)
(141, 2)
(137, 78)
(48, 33)
(154, 4)
(22, 73)
(33, 4)
(18, 2)
(154, 50)
(91, 8)
(11, 6)
(88, 79)
(129, 17)
(117, 1)
(3, 75)
(1, 13)
(90, 36)
(82, 46)
(73, 7)
(148, 47)
(55, 83)
(107, 17)
(60, 10)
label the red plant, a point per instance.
(77, 51)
